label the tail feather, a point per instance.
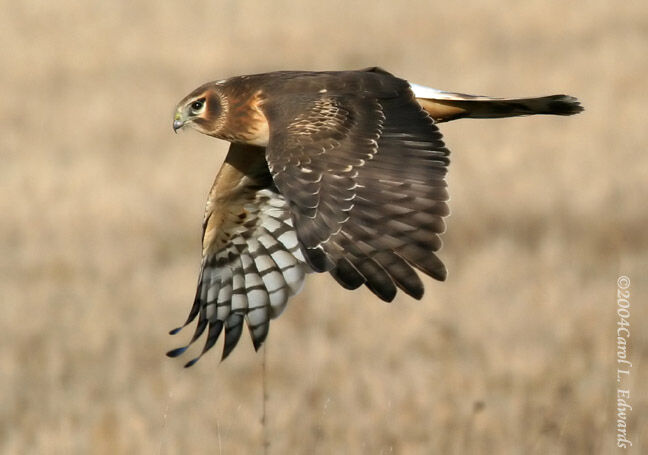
(445, 106)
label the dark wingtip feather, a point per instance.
(378, 281)
(384, 289)
(440, 273)
(233, 330)
(215, 329)
(192, 362)
(427, 263)
(347, 275)
(317, 259)
(257, 343)
(177, 351)
(227, 351)
(402, 273)
(195, 309)
(417, 293)
(259, 336)
(212, 336)
(388, 297)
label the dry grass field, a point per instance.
(101, 207)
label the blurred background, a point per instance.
(100, 235)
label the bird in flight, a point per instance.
(339, 172)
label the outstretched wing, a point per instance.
(363, 171)
(251, 261)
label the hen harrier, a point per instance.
(339, 172)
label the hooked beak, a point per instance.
(178, 122)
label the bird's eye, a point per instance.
(197, 105)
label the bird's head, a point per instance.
(204, 110)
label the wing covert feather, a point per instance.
(364, 173)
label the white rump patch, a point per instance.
(421, 91)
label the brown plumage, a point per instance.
(339, 172)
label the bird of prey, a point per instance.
(339, 172)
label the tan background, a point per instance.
(100, 222)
